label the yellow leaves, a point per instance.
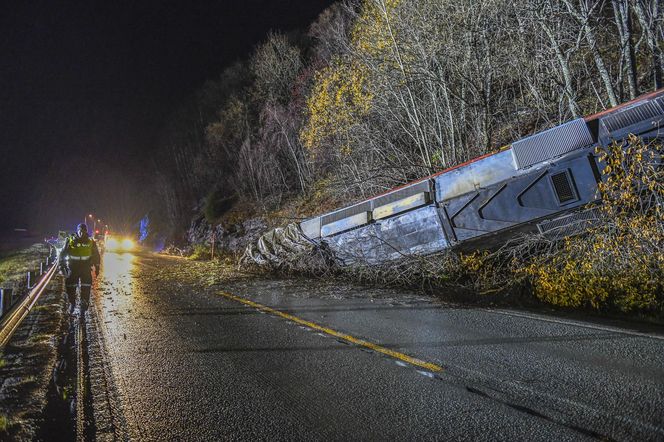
(371, 33)
(631, 178)
(619, 264)
(342, 94)
(346, 150)
(474, 261)
(340, 98)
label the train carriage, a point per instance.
(546, 181)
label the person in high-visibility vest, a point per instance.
(77, 258)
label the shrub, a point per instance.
(200, 252)
(4, 423)
(618, 263)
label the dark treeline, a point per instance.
(378, 92)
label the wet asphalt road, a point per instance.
(190, 364)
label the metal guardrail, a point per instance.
(13, 318)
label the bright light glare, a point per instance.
(119, 245)
(117, 271)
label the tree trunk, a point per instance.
(601, 67)
(622, 12)
(648, 16)
(213, 238)
(582, 15)
(564, 69)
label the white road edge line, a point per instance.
(575, 323)
(531, 394)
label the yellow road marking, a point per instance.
(353, 340)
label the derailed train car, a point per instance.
(542, 182)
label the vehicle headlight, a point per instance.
(111, 244)
(127, 244)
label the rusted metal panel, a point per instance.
(402, 205)
(311, 227)
(344, 224)
(473, 176)
(552, 143)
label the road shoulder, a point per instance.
(27, 365)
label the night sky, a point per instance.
(86, 86)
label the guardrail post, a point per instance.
(41, 268)
(5, 300)
(30, 278)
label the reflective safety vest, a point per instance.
(80, 249)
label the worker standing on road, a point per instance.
(78, 256)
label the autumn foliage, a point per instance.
(619, 263)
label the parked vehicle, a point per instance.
(115, 243)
